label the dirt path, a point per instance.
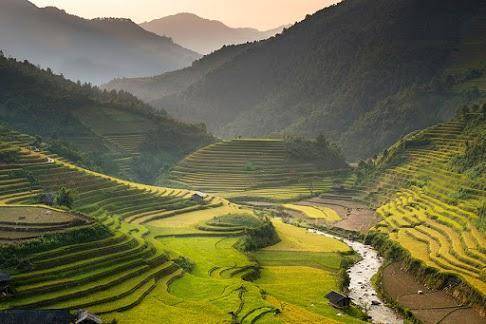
(431, 306)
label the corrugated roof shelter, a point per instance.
(338, 300)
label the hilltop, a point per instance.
(112, 132)
(204, 35)
(362, 72)
(96, 50)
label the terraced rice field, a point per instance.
(25, 223)
(258, 168)
(132, 274)
(434, 216)
(216, 285)
(315, 212)
(115, 131)
(299, 239)
(106, 275)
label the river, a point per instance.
(361, 290)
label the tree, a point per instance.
(65, 197)
(37, 141)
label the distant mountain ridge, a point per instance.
(363, 73)
(96, 50)
(204, 35)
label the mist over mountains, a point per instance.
(203, 35)
(95, 50)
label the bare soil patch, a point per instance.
(432, 306)
(355, 215)
(26, 223)
(34, 216)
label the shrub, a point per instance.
(65, 197)
(24, 174)
(15, 255)
(257, 238)
(238, 220)
(481, 221)
(250, 166)
(46, 198)
(321, 151)
(184, 263)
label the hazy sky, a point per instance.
(262, 14)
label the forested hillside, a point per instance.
(171, 83)
(96, 50)
(112, 131)
(362, 72)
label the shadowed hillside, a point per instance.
(95, 50)
(112, 131)
(362, 72)
(204, 35)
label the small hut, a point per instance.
(199, 197)
(338, 300)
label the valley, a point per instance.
(329, 171)
(142, 251)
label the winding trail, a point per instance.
(361, 290)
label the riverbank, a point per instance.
(427, 305)
(361, 289)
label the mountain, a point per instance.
(171, 83)
(95, 50)
(110, 132)
(204, 35)
(363, 73)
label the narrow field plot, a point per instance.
(161, 307)
(34, 215)
(299, 239)
(317, 212)
(281, 193)
(193, 218)
(304, 287)
(320, 260)
(210, 252)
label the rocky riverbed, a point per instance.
(361, 291)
